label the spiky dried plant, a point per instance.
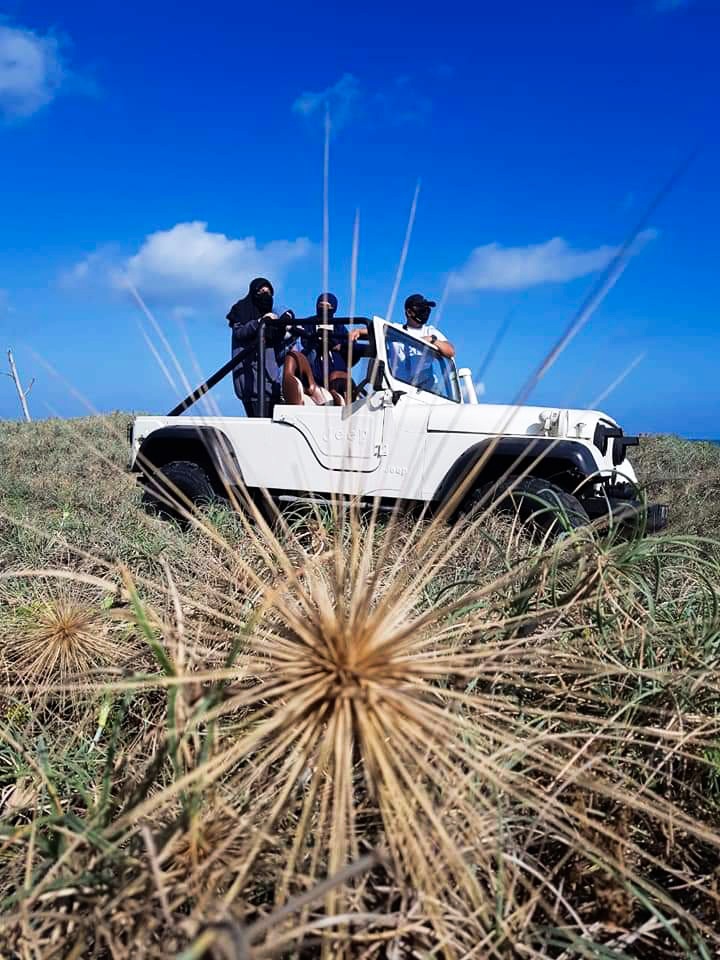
(60, 637)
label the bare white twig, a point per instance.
(22, 394)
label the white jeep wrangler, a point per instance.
(412, 433)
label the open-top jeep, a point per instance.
(410, 434)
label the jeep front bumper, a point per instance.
(628, 510)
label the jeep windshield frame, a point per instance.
(421, 365)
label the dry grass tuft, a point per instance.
(62, 638)
(59, 639)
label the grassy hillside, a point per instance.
(66, 481)
(686, 476)
(383, 740)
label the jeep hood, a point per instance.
(487, 418)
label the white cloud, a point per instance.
(494, 267)
(32, 70)
(340, 100)
(396, 103)
(189, 259)
(93, 269)
(188, 263)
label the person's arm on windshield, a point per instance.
(441, 344)
(445, 348)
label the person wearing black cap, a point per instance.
(244, 320)
(412, 364)
(417, 314)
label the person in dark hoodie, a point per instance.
(244, 319)
(325, 309)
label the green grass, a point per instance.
(524, 740)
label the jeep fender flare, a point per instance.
(209, 447)
(564, 462)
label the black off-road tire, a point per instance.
(540, 503)
(169, 489)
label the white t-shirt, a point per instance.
(407, 361)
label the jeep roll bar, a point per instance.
(298, 325)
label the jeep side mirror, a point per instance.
(377, 377)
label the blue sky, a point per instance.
(183, 147)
